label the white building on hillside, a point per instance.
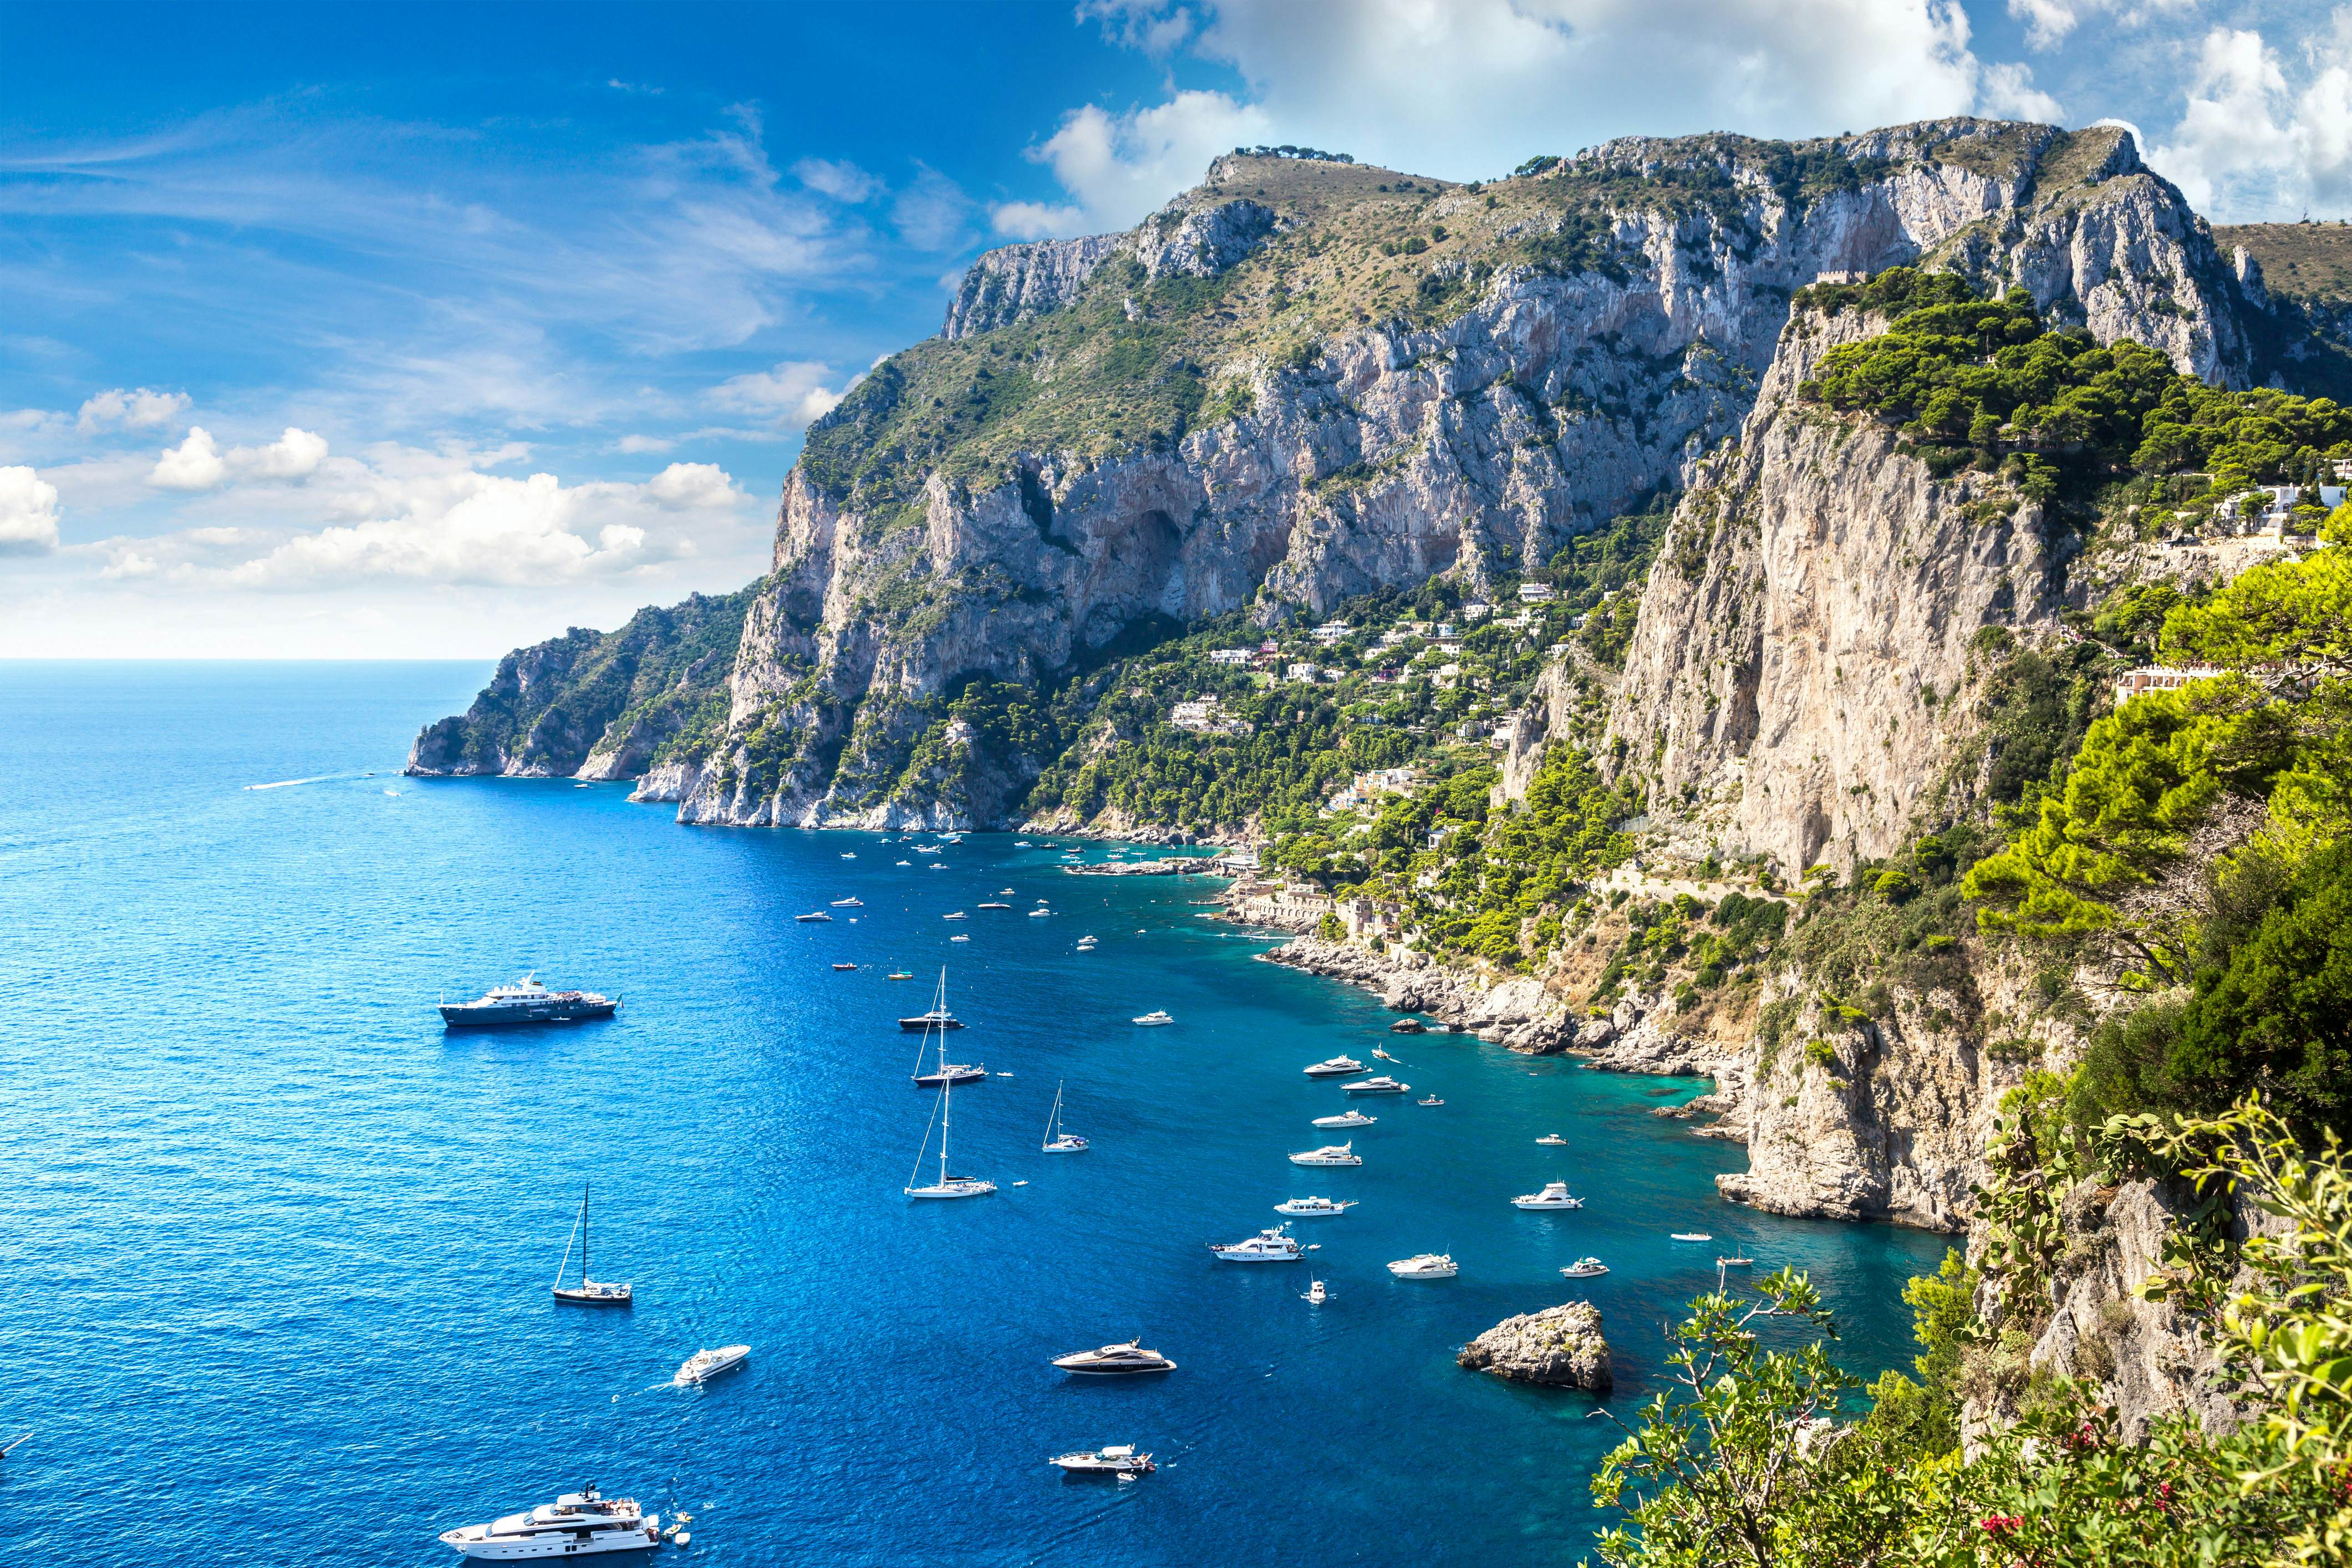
(1536, 593)
(1331, 631)
(2160, 677)
(1229, 655)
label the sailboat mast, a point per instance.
(584, 1236)
(947, 1116)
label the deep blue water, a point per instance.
(275, 1251)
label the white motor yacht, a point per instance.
(995, 904)
(849, 903)
(1380, 1085)
(1352, 1118)
(1424, 1266)
(1691, 1236)
(1039, 914)
(704, 1365)
(1117, 1460)
(1316, 1294)
(1330, 1154)
(927, 849)
(1553, 1140)
(1553, 1197)
(577, 1524)
(1154, 1018)
(1276, 1245)
(1308, 1207)
(816, 915)
(1115, 1361)
(902, 862)
(956, 915)
(1336, 1067)
(1586, 1269)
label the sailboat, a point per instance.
(939, 1021)
(588, 1292)
(1057, 1140)
(947, 1186)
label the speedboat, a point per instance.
(1408, 1026)
(849, 854)
(1266, 1246)
(1352, 1118)
(1330, 1154)
(1020, 844)
(959, 939)
(704, 1365)
(1424, 1266)
(1553, 1197)
(1004, 893)
(957, 915)
(1433, 1099)
(1380, 1085)
(898, 974)
(1586, 1269)
(812, 915)
(849, 903)
(1039, 914)
(1336, 1067)
(1154, 1018)
(841, 966)
(927, 849)
(1691, 1236)
(993, 905)
(1117, 1459)
(1308, 1207)
(1316, 1294)
(1087, 944)
(1553, 1140)
(902, 862)
(1115, 1361)
(577, 1524)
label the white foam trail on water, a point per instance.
(289, 783)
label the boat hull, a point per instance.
(916, 1026)
(495, 1014)
(959, 1074)
(594, 1295)
(473, 1542)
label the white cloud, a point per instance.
(2008, 90)
(194, 465)
(198, 463)
(793, 394)
(843, 180)
(634, 445)
(2251, 141)
(1118, 167)
(688, 486)
(141, 410)
(2049, 22)
(932, 213)
(29, 513)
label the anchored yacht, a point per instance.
(1338, 1067)
(527, 1002)
(1330, 1154)
(849, 903)
(1115, 1361)
(1553, 1197)
(1308, 1206)
(1058, 1141)
(812, 915)
(1276, 1245)
(1380, 1085)
(588, 1292)
(949, 1075)
(1117, 1460)
(1553, 1140)
(1585, 1269)
(1352, 1118)
(577, 1524)
(1424, 1266)
(704, 1365)
(1154, 1018)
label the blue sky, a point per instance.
(402, 330)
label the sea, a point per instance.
(276, 1249)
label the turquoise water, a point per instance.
(274, 1250)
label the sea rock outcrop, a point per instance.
(1559, 1346)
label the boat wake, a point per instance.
(289, 783)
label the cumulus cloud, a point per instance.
(2048, 23)
(843, 180)
(636, 445)
(118, 409)
(29, 513)
(793, 394)
(1117, 167)
(2253, 141)
(198, 463)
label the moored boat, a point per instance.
(1330, 1154)
(1585, 1269)
(1553, 1197)
(814, 915)
(1114, 1459)
(1383, 1084)
(1314, 1206)
(578, 1524)
(1115, 1361)
(588, 1292)
(704, 1365)
(1352, 1118)
(1335, 1066)
(527, 1002)
(1424, 1266)
(1276, 1245)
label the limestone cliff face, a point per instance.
(1799, 675)
(1382, 455)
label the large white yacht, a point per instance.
(1330, 1154)
(527, 1002)
(1338, 1067)
(1424, 1266)
(1115, 1361)
(1314, 1205)
(577, 1524)
(1276, 1245)
(1380, 1085)
(1117, 1460)
(1352, 1118)
(704, 1365)
(1553, 1197)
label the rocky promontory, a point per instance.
(1561, 1346)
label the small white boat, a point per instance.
(1316, 1294)
(1692, 1236)
(577, 1524)
(1276, 1245)
(1380, 1085)
(1431, 1100)
(849, 854)
(1352, 1118)
(938, 866)
(1020, 844)
(1057, 1140)
(1314, 1206)
(1039, 914)
(704, 1365)
(1336, 1067)
(995, 906)
(956, 915)
(1424, 1266)
(905, 862)
(1553, 1140)
(1004, 893)
(1117, 1459)
(1553, 1197)
(927, 849)
(1154, 1018)
(1585, 1269)
(849, 903)
(959, 939)
(1330, 1154)
(1115, 1361)
(1733, 1262)
(812, 915)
